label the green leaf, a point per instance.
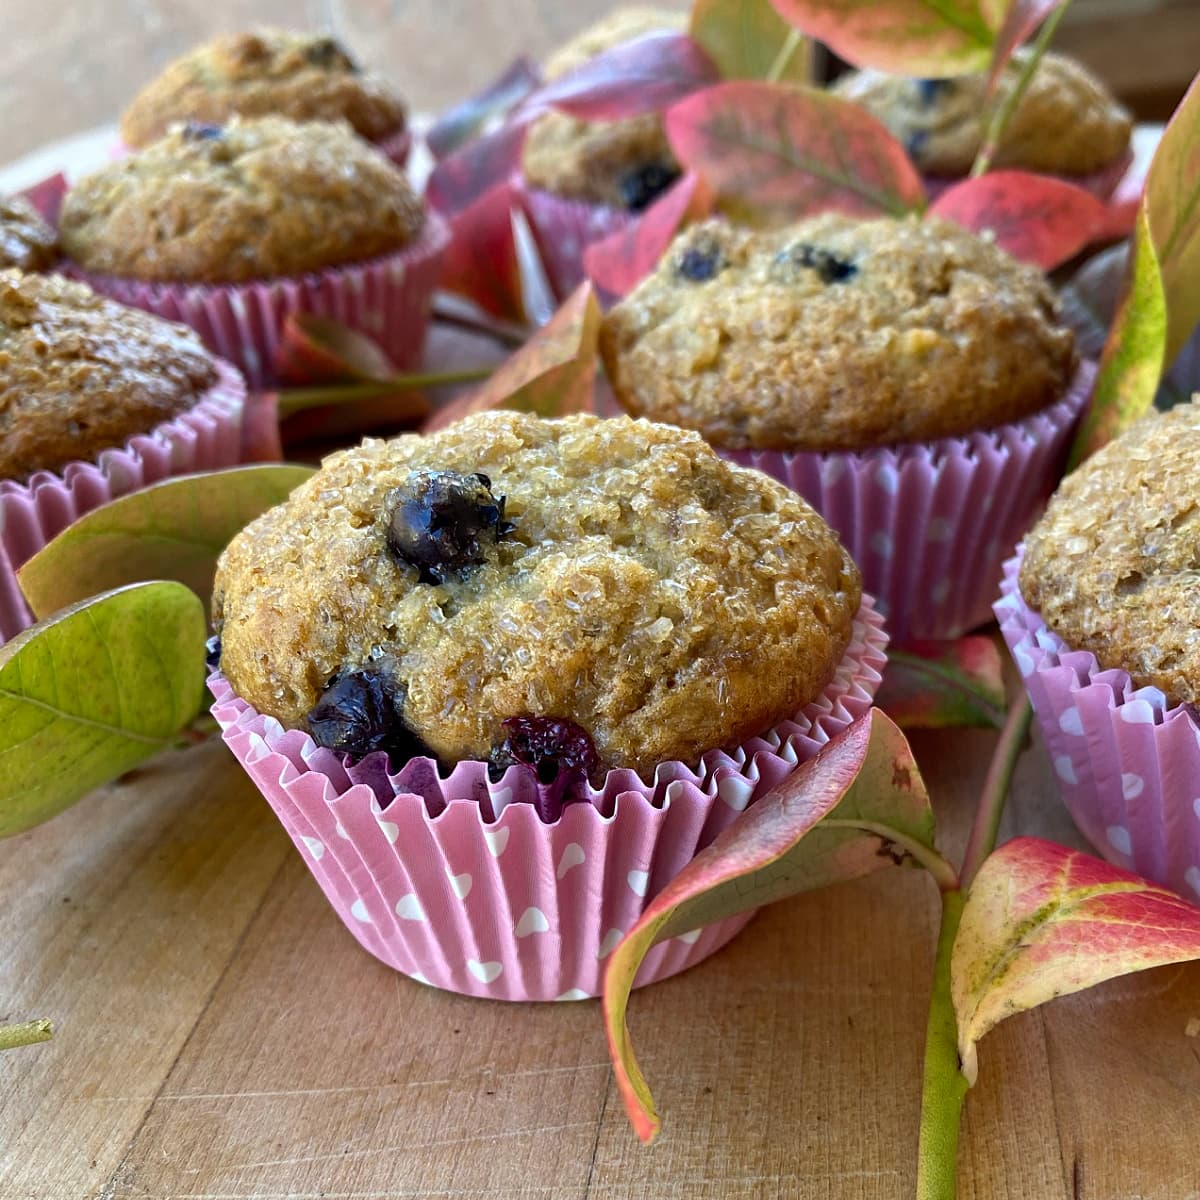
(746, 38)
(173, 530)
(937, 685)
(859, 805)
(94, 691)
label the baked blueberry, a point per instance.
(547, 744)
(212, 652)
(930, 89)
(360, 712)
(442, 522)
(201, 131)
(700, 262)
(643, 185)
(830, 267)
(326, 52)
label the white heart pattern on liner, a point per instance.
(358, 910)
(1071, 722)
(1065, 769)
(409, 908)
(572, 856)
(574, 994)
(735, 791)
(391, 830)
(533, 920)
(485, 972)
(1132, 785)
(497, 840)
(460, 885)
(638, 882)
(316, 847)
(610, 941)
(888, 478)
(1119, 840)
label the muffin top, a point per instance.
(623, 164)
(612, 579)
(1114, 565)
(267, 72)
(249, 200)
(80, 374)
(1067, 123)
(26, 241)
(837, 333)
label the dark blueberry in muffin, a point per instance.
(325, 52)
(700, 262)
(643, 185)
(547, 744)
(930, 89)
(359, 712)
(442, 522)
(827, 265)
(212, 652)
(201, 131)
(916, 142)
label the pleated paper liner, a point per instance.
(204, 438)
(1127, 761)
(388, 298)
(931, 523)
(496, 889)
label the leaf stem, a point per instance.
(1003, 113)
(790, 45)
(982, 840)
(293, 400)
(12, 1036)
(944, 1088)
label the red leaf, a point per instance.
(617, 263)
(1023, 17)
(314, 349)
(47, 197)
(775, 153)
(260, 428)
(936, 685)
(644, 75)
(553, 374)
(466, 175)
(1042, 921)
(481, 262)
(1036, 218)
(906, 37)
(859, 805)
(465, 120)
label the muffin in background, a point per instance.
(910, 379)
(264, 73)
(1102, 614)
(564, 601)
(26, 241)
(230, 228)
(1067, 123)
(96, 400)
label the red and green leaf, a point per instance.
(618, 263)
(466, 120)
(774, 153)
(859, 805)
(1042, 921)
(939, 685)
(906, 37)
(314, 349)
(748, 39)
(552, 375)
(1036, 218)
(463, 177)
(482, 262)
(1023, 17)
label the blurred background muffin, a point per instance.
(26, 241)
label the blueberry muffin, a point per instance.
(26, 241)
(622, 164)
(80, 373)
(1114, 565)
(582, 592)
(268, 72)
(1067, 123)
(254, 199)
(837, 333)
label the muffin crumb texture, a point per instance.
(80, 374)
(262, 73)
(615, 577)
(1114, 565)
(249, 200)
(26, 241)
(837, 333)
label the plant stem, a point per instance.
(12, 1036)
(944, 1088)
(984, 831)
(449, 313)
(292, 400)
(790, 45)
(1003, 114)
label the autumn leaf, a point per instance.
(317, 349)
(906, 37)
(465, 120)
(482, 262)
(775, 153)
(618, 263)
(47, 196)
(859, 805)
(1023, 17)
(461, 178)
(1042, 921)
(937, 685)
(748, 39)
(1036, 218)
(552, 374)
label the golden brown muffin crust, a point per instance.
(266, 72)
(1067, 123)
(837, 333)
(80, 374)
(249, 200)
(1114, 565)
(26, 241)
(666, 601)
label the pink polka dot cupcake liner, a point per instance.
(1127, 761)
(479, 887)
(930, 524)
(205, 438)
(562, 229)
(387, 298)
